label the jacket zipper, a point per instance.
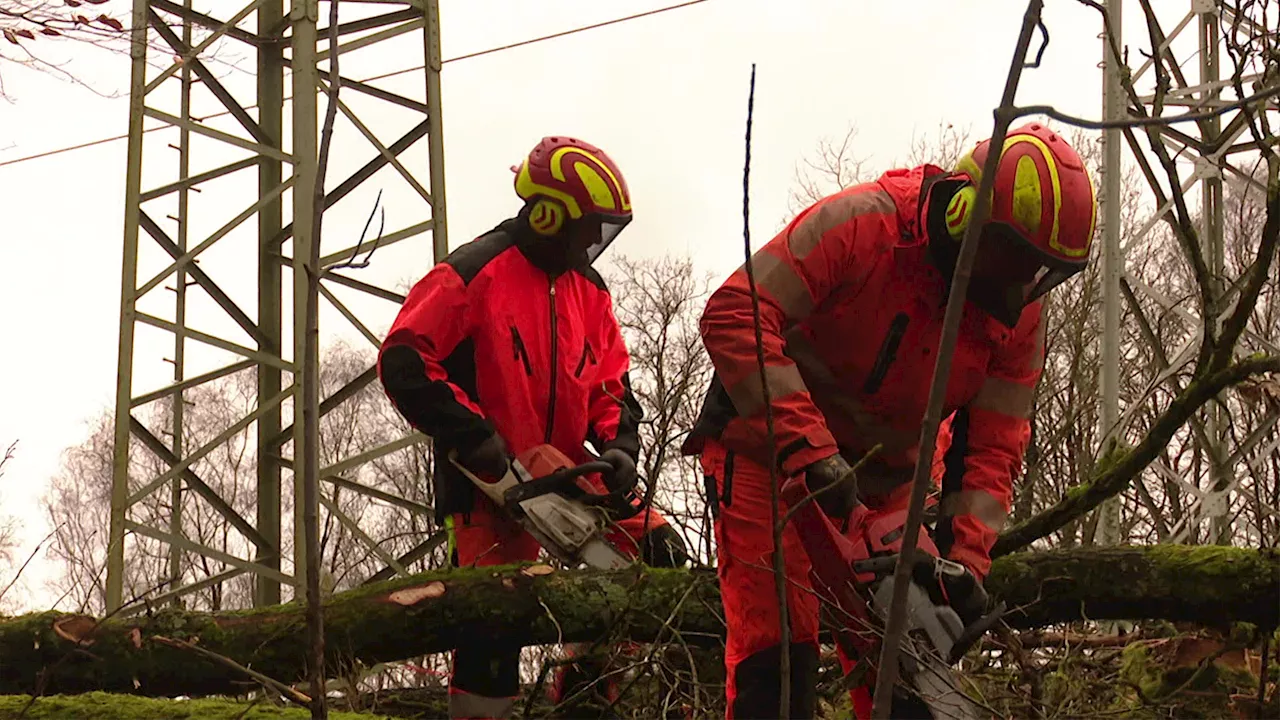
(551, 397)
(888, 351)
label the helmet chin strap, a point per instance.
(1002, 302)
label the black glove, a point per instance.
(837, 502)
(488, 459)
(961, 589)
(663, 547)
(624, 469)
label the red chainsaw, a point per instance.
(549, 496)
(854, 578)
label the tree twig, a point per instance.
(311, 390)
(8, 455)
(30, 557)
(272, 683)
(1144, 122)
(887, 668)
(779, 559)
(1234, 326)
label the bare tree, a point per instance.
(658, 303)
(837, 164)
(833, 166)
(30, 27)
(943, 148)
(79, 496)
(8, 523)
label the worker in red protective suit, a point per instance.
(509, 343)
(852, 295)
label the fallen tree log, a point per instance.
(108, 706)
(55, 652)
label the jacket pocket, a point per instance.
(520, 352)
(587, 356)
(888, 352)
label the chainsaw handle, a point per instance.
(561, 481)
(617, 501)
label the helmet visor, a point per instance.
(1010, 273)
(1046, 280)
(610, 227)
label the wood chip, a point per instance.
(415, 595)
(508, 583)
(536, 570)
(75, 628)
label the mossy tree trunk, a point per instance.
(437, 611)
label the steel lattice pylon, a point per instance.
(173, 66)
(1209, 146)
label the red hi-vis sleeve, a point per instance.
(615, 414)
(431, 324)
(830, 244)
(999, 432)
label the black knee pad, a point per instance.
(663, 547)
(758, 680)
(489, 673)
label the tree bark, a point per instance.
(127, 707)
(436, 611)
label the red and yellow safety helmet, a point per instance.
(565, 180)
(1042, 201)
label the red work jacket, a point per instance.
(851, 311)
(504, 346)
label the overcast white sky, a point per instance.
(664, 95)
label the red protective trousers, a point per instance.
(482, 538)
(744, 558)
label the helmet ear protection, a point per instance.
(547, 216)
(960, 210)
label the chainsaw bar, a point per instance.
(599, 554)
(922, 663)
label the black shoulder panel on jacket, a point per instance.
(596, 279)
(469, 259)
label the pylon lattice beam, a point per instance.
(185, 86)
(1212, 148)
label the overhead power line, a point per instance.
(468, 56)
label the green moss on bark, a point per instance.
(1209, 585)
(1194, 692)
(438, 611)
(496, 606)
(107, 706)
